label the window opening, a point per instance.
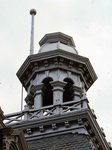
(47, 92)
(68, 93)
(13, 146)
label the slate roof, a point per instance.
(62, 142)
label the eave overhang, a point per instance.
(57, 36)
(33, 64)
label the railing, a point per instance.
(29, 114)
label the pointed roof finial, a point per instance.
(32, 13)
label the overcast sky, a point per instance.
(89, 22)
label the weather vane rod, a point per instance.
(32, 13)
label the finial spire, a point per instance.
(32, 13)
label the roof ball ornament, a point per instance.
(33, 12)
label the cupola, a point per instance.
(56, 74)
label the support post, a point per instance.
(32, 13)
(38, 97)
(58, 92)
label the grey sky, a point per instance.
(89, 22)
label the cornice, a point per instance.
(83, 118)
(61, 59)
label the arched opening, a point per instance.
(68, 93)
(47, 92)
(13, 146)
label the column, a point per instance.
(38, 96)
(77, 93)
(58, 92)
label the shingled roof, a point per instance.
(62, 142)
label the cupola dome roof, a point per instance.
(57, 40)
